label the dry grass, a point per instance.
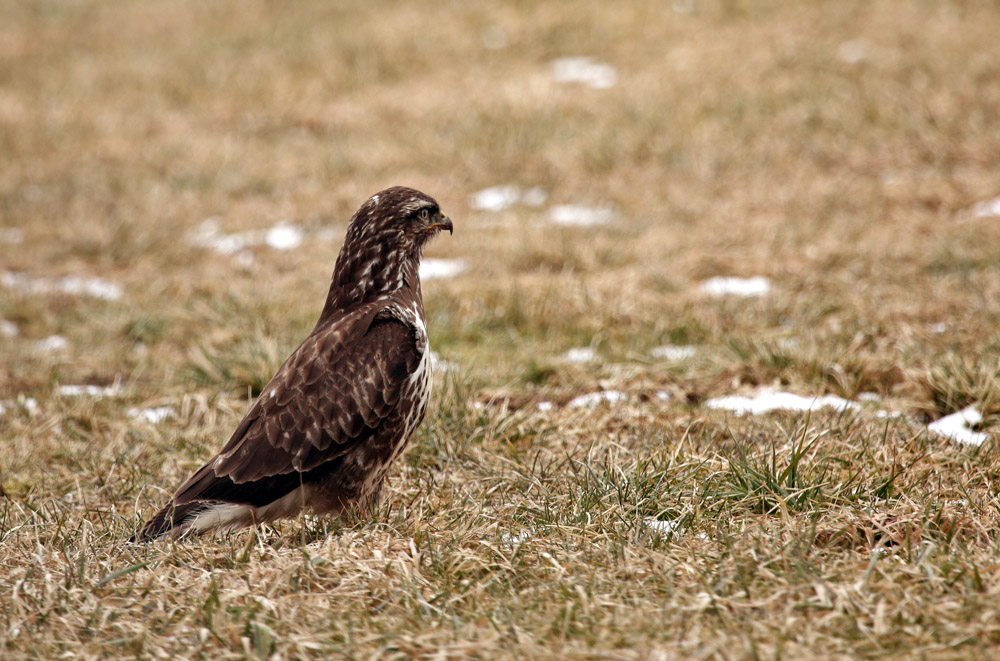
(739, 140)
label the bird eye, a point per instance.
(424, 215)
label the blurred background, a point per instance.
(639, 149)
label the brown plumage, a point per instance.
(343, 406)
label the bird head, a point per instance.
(384, 242)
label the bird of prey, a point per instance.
(340, 410)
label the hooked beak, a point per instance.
(444, 224)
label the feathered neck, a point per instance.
(362, 275)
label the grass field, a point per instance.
(847, 152)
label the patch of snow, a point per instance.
(585, 70)
(209, 236)
(869, 397)
(580, 216)
(672, 352)
(580, 355)
(515, 539)
(664, 395)
(545, 406)
(87, 391)
(70, 284)
(767, 400)
(723, 286)
(8, 329)
(283, 236)
(987, 208)
(52, 343)
(89, 286)
(30, 404)
(958, 426)
(431, 267)
(11, 235)
(498, 198)
(593, 399)
(852, 52)
(152, 415)
(438, 365)
(663, 527)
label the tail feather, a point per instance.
(195, 518)
(208, 501)
(170, 519)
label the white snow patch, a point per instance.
(663, 527)
(282, 236)
(87, 390)
(439, 365)
(52, 343)
(672, 352)
(593, 399)
(209, 236)
(664, 395)
(987, 208)
(958, 426)
(723, 286)
(515, 539)
(152, 415)
(580, 355)
(441, 268)
(30, 404)
(586, 70)
(852, 51)
(70, 284)
(8, 329)
(766, 400)
(545, 406)
(498, 198)
(11, 235)
(580, 216)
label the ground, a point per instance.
(845, 152)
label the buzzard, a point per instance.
(328, 425)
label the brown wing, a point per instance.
(332, 393)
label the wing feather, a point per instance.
(332, 393)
